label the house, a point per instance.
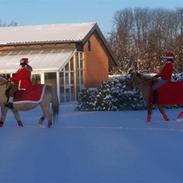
(67, 56)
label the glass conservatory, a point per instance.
(60, 69)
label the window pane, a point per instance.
(77, 61)
(72, 64)
(68, 94)
(36, 79)
(61, 78)
(67, 67)
(50, 79)
(81, 64)
(72, 77)
(81, 75)
(78, 77)
(62, 94)
(78, 90)
(72, 93)
(66, 78)
(80, 60)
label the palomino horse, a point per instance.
(144, 83)
(49, 105)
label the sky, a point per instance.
(34, 12)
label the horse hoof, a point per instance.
(1, 124)
(148, 120)
(166, 119)
(20, 124)
(49, 125)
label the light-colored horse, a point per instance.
(49, 105)
(144, 83)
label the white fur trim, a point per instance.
(31, 101)
(166, 57)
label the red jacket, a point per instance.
(23, 78)
(166, 73)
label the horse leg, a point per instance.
(149, 113)
(41, 119)
(46, 111)
(163, 113)
(149, 104)
(17, 117)
(180, 116)
(3, 115)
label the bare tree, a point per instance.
(4, 24)
(141, 35)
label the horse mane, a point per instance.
(146, 77)
(142, 78)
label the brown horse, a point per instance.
(144, 83)
(49, 105)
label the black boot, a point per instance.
(9, 105)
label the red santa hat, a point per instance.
(169, 56)
(24, 61)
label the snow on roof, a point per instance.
(52, 60)
(45, 33)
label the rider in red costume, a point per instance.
(166, 73)
(20, 81)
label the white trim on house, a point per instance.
(58, 84)
(42, 78)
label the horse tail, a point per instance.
(55, 104)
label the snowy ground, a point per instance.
(92, 147)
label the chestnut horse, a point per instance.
(144, 83)
(49, 105)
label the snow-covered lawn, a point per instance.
(92, 147)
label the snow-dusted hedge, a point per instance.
(112, 95)
(178, 76)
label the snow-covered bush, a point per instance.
(112, 95)
(178, 76)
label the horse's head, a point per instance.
(135, 78)
(140, 80)
(2, 80)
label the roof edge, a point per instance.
(97, 29)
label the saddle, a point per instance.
(170, 93)
(32, 95)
